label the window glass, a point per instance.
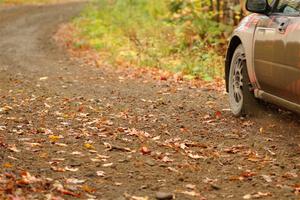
(289, 7)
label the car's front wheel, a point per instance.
(240, 97)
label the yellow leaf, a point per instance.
(261, 130)
(89, 146)
(54, 138)
(88, 189)
(7, 165)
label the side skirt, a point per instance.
(276, 100)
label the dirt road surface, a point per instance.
(71, 131)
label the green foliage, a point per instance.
(178, 35)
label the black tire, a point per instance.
(241, 98)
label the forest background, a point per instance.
(187, 37)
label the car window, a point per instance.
(288, 7)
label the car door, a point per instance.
(269, 52)
(292, 67)
(276, 51)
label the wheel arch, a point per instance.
(234, 43)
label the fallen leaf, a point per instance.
(7, 165)
(247, 196)
(107, 165)
(89, 146)
(167, 159)
(27, 178)
(43, 78)
(262, 194)
(290, 175)
(13, 148)
(68, 192)
(144, 150)
(88, 189)
(139, 198)
(74, 181)
(55, 138)
(234, 149)
(190, 186)
(196, 156)
(100, 173)
(218, 114)
(57, 169)
(257, 195)
(248, 174)
(173, 170)
(71, 169)
(77, 153)
(261, 130)
(190, 193)
(118, 184)
(156, 138)
(140, 134)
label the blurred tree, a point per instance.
(224, 11)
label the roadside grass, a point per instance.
(152, 33)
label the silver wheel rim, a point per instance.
(236, 84)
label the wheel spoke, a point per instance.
(236, 82)
(240, 94)
(241, 84)
(236, 97)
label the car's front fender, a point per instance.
(243, 34)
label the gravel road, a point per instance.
(72, 131)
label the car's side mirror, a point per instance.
(258, 6)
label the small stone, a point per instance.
(215, 187)
(123, 161)
(150, 163)
(181, 179)
(267, 178)
(164, 196)
(287, 188)
(247, 196)
(144, 187)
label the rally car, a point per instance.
(263, 57)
